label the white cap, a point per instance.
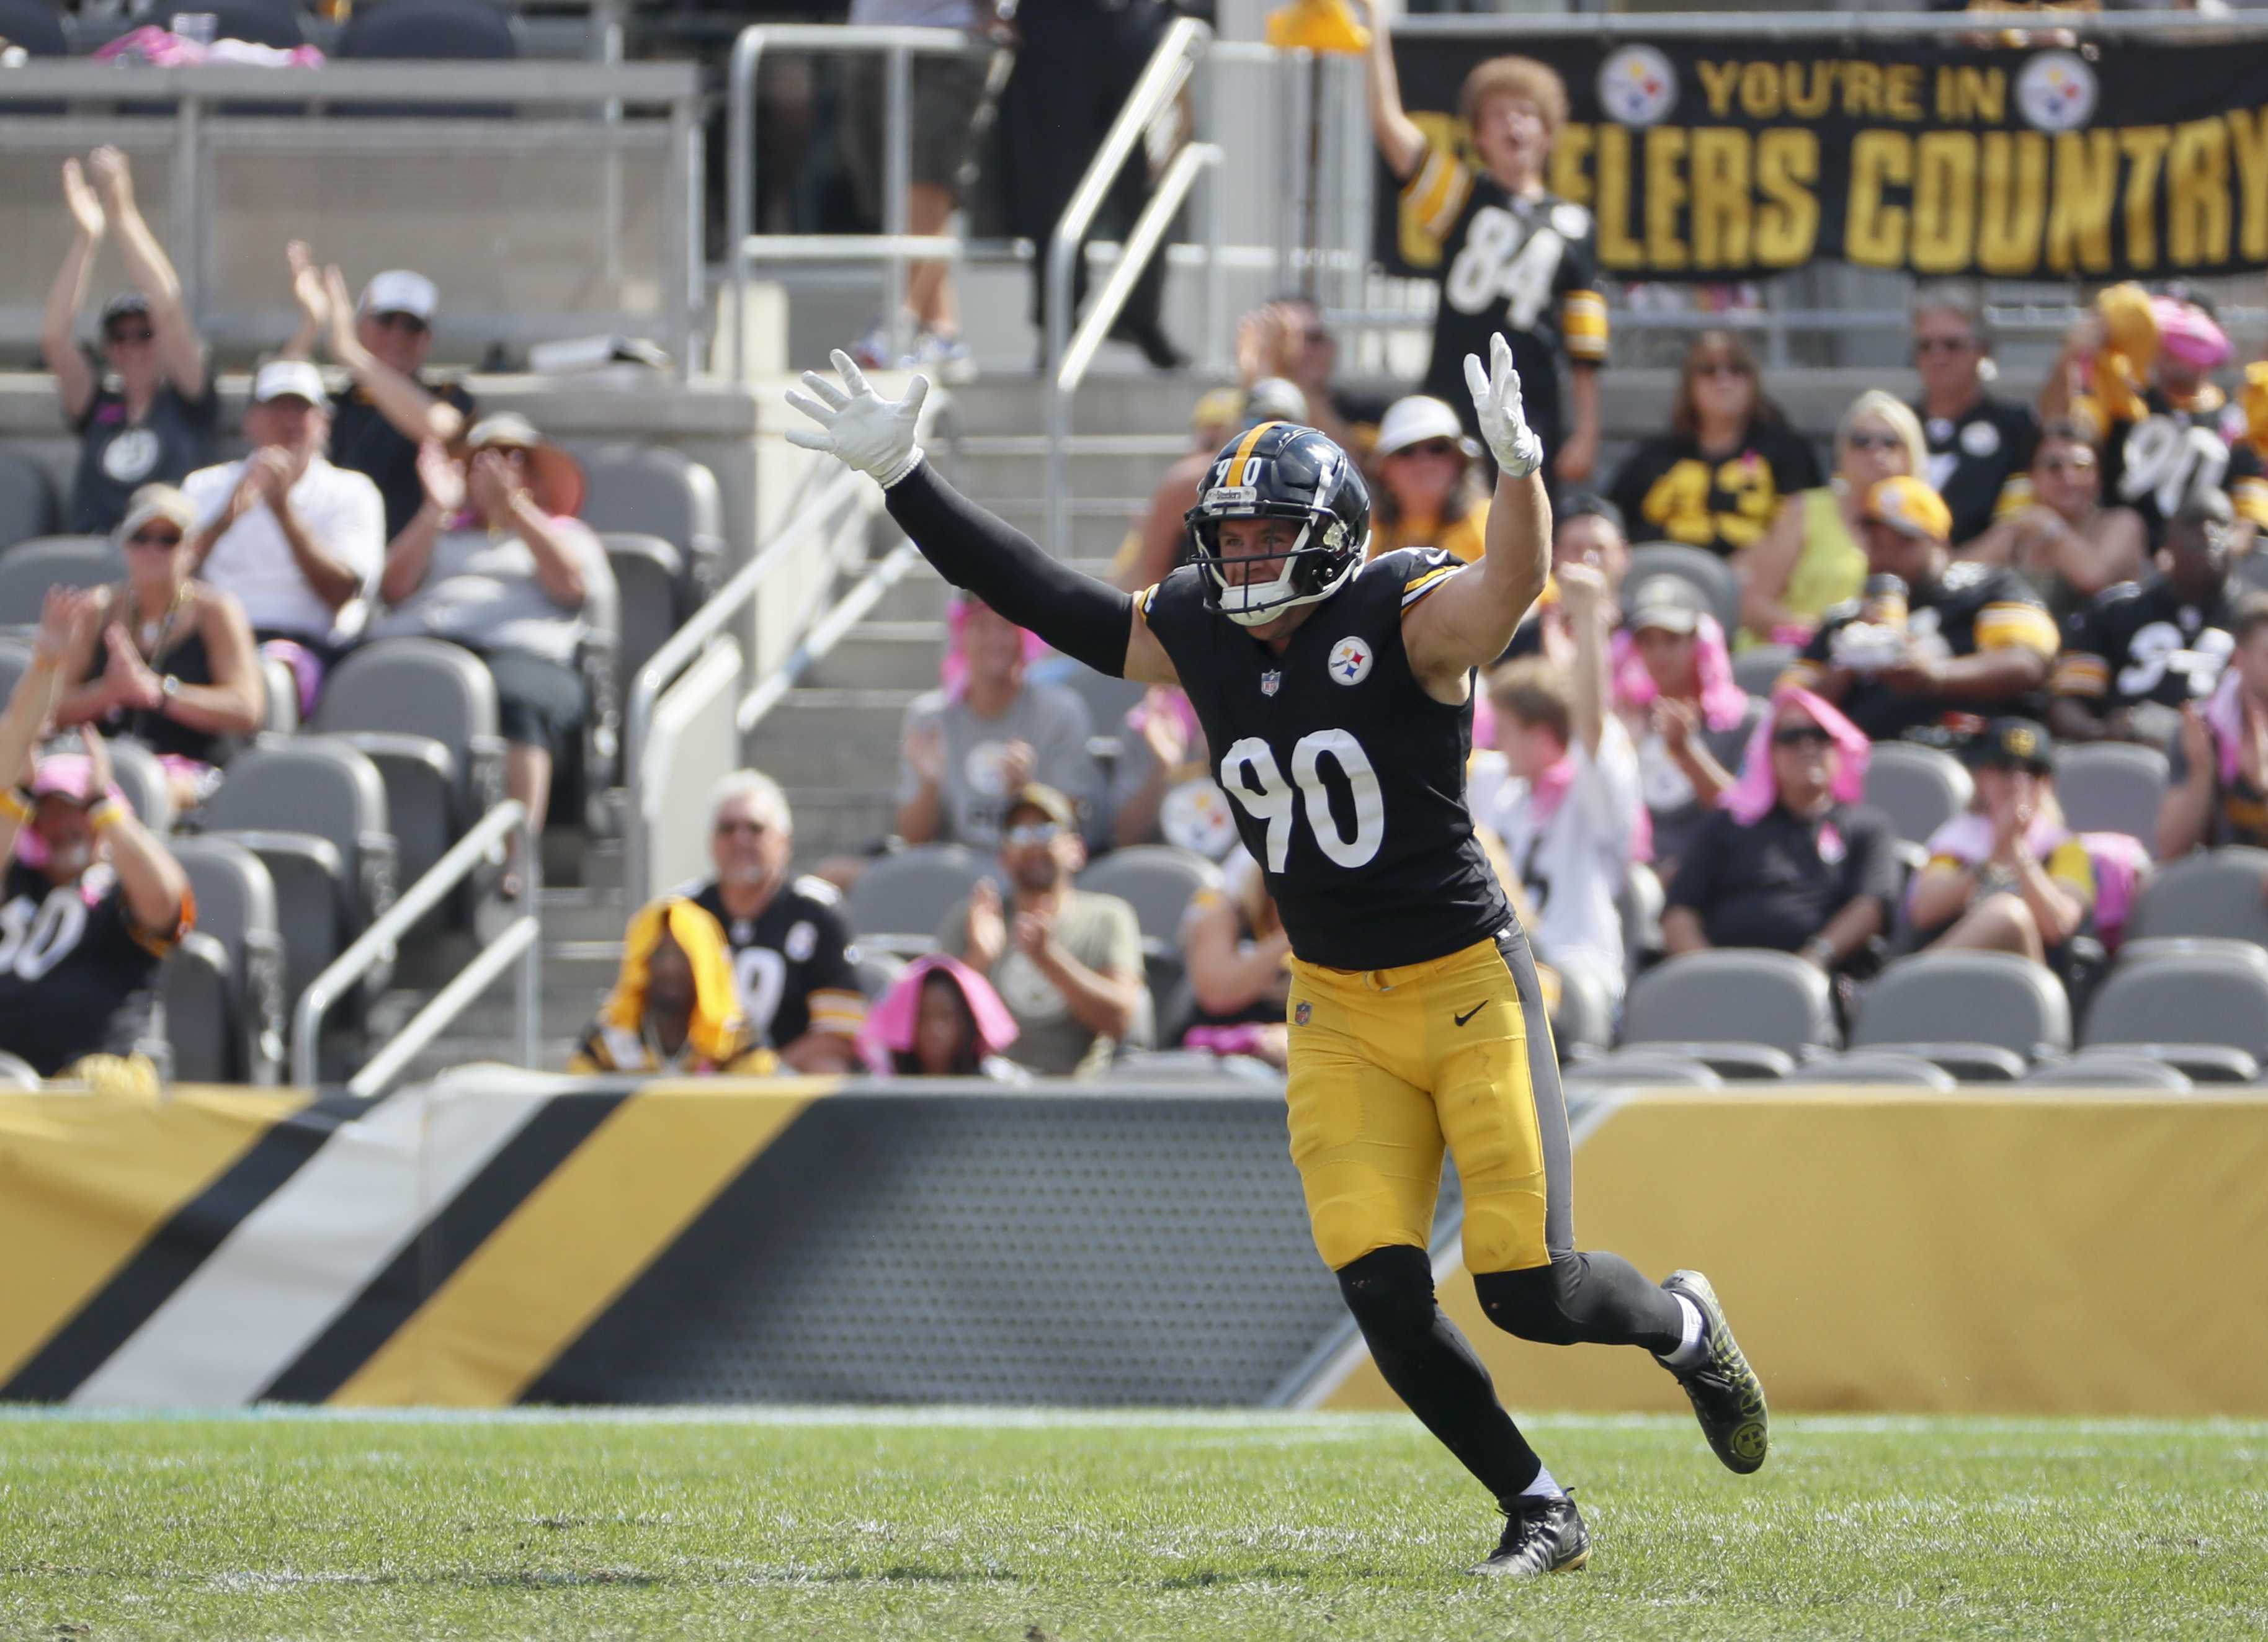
(1413, 420)
(398, 290)
(281, 379)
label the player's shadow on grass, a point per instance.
(1267, 1574)
(909, 1574)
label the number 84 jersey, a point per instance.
(1347, 779)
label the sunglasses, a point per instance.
(1430, 447)
(1945, 344)
(121, 339)
(1801, 735)
(167, 539)
(1721, 367)
(1033, 832)
(754, 828)
(1875, 442)
(409, 323)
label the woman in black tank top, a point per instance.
(164, 659)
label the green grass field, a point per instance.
(1250, 1527)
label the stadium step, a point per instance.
(1115, 467)
(1019, 404)
(841, 821)
(883, 655)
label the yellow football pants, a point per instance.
(1389, 1066)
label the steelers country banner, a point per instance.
(1703, 159)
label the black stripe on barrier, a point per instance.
(430, 1258)
(168, 1260)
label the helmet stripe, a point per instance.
(1244, 450)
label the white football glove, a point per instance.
(860, 428)
(1496, 396)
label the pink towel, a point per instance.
(889, 1028)
(1754, 791)
(1722, 699)
(953, 676)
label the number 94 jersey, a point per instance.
(1346, 778)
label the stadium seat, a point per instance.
(1638, 904)
(899, 900)
(652, 490)
(260, 22)
(1981, 1015)
(2214, 894)
(1107, 700)
(141, 778)
(1708, 573)
(452, 30)
(37, 26)
(2223, 947)
(1583, 1025)
(2193, 1010)
(314, 812)
(1758, 668)
(193, 992)
(1919, 788)
(877, 972)
(1157, 880)
(1638, 1068)
(649, 584)
(1879, 1066)
(236, 907)
(2111, 786)
(28, 500)
(1746, 1014)
(281, 691)
(1190, 1066)
(425, 713)
(2110, 1068)
(30, 568)
(15, 661)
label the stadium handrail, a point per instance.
(884, 574)
(1170, 66)
(378, 943)
(894, 246)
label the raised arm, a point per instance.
(74, 380)
(23, 720)
(1470, 620)
(1087, 619)
(414, 413)
(181, 355)
(1400, 143)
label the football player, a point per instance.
(1336, 697)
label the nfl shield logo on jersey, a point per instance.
(1271, 680)
(1351, 660)
(1300, 1013)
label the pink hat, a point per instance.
(1755, 792)
(63, 776)
(2190, 333)
(889, 1028)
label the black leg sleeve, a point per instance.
(1582, 1299)
(1084, 618)
(1431, 1367)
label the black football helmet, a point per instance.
(1282, 470)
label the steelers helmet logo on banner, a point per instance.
(1637, 85)
(2056, 91)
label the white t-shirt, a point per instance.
(1573, 863)
(340, 510)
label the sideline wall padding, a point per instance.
(2010, 1254)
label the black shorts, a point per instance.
(539, 701)
(941, 105)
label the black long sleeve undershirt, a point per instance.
(1086, 619)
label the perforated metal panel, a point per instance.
(1115, 1249)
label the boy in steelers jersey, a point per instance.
(1336, 696)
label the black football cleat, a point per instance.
(1541, 1536)
(1727, 1397)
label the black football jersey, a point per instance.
(1346, 778)
(792, 963)
(2155, 465)
(1980, 461)
(1972, 607)
(1525, 267)
(78, 977)
(2142, 642)
(1669, 491)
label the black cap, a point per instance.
(125, 305)
(2014, 744)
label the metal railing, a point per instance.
(825, 634)
(291, 118)
(705, 626)
(893, 248)
(1167, 72)
(377, 944)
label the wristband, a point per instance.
(903, 470)
(1821, 948)
(106, 815)
(15, 805)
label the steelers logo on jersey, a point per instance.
(1351, 660)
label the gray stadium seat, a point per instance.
(2111, 786)
(37, 26)
(2220, 892)
(30, 568)
(424, 712)
(457, 30)
(1981, 1015)
(2222, 947)
(1107, 700)
(15, 661)
(646, 489)
(1583, 1025)
(899, 900)
(236, 907)
(2189, 1009)
(877, 972)
(1879, 1066)
(649, 582)
(1190, 1066)
(1919, 788)
(141, 778)
(27, 499)
(261, 22)
(1638, 904)
(1746, 1014)
(193, 990)
(1758, 668)
(281, 687)
(1158, 881)
(314, 812)
(2109, 1068)
(1639, 1068)
(1710, 574)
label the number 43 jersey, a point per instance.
(1346, 778)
